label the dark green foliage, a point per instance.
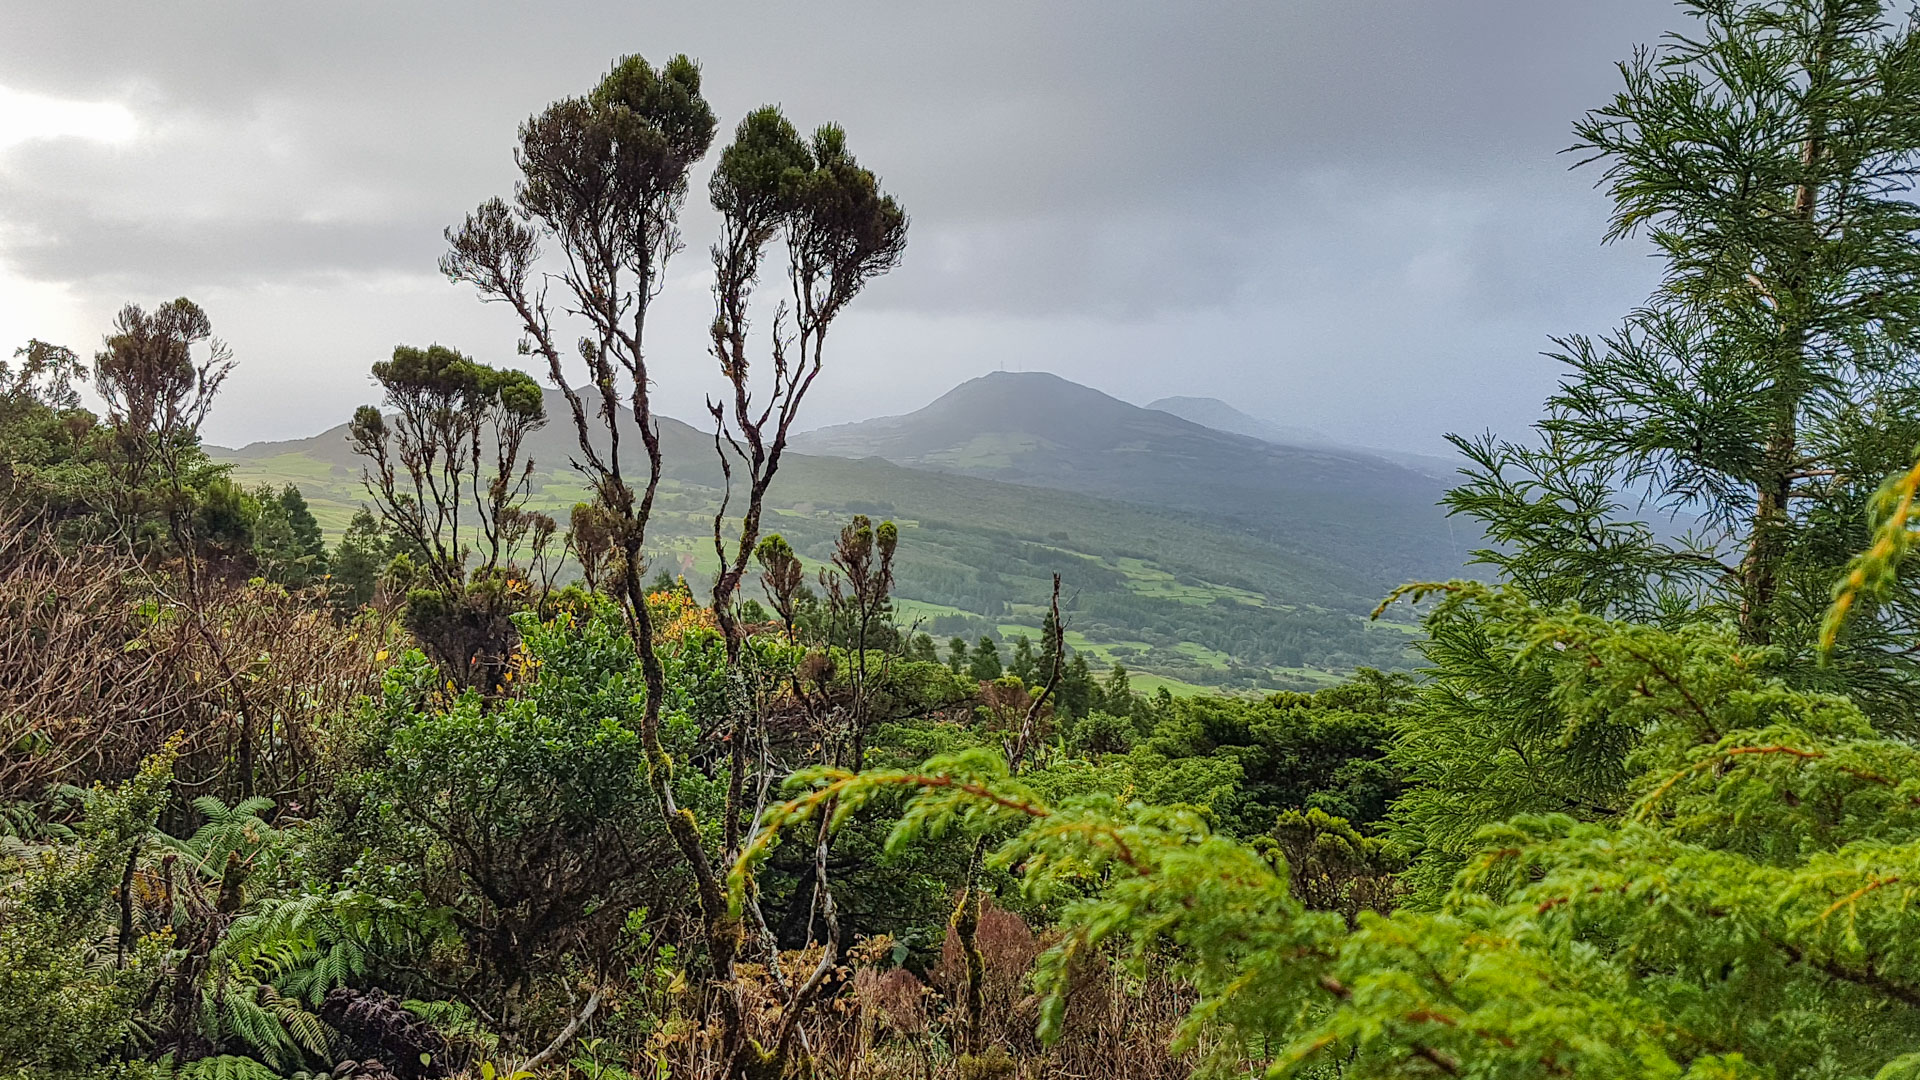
(286, 538)
(359, 558)
(921, 649)
(1325, 750)
(1769, 153)
(1099, 733)
(1076, 690)
(530, 820)
(1115, 693)
(1024, 666)
(226, 518)
(984, 663)
(70, 985)
(1243, 761)
(52, 452)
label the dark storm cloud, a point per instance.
(1314, 165)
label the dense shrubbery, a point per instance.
(1743, 912)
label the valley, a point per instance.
(1195, 557)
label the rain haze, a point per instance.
(1352, 216)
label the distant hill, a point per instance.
(1372, 522)
(1220, 416)
(1217, 414)
(1161, 590)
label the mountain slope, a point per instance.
(1371, 521)
(1220, 416)
(1154, 588)
(1217, 414)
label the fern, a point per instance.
(303, 1028)
(224, 1067)
(457, 1022)
(277, 962)
(228, 830)
(308, 945)
(273, 1025)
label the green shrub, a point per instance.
(70, 984)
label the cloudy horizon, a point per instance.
(1345, 216)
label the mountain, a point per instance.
(1217, 414)
(1220, 416)
(1169, 594)
(1370, 522)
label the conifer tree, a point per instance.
(1768, 151)
(957, 654)
(359, 558)
(306, 530)
(1077, 688)
(1024, 664)
(985, 662)
(287, 539)
(1764, 388)
(921, 649)
(1116, 696)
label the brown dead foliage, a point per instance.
(102, 657)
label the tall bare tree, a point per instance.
(604, 177)
(839, 231)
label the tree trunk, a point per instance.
(1767, 545)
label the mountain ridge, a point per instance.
(1214, 413)
(1358, 509)
(1173, 596)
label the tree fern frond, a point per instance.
(306, 1030)
(224, 1067)
(210, 807)
(245, 1018)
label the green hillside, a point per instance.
(1162, 591)
(1371, 522)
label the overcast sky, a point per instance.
(1343, 214)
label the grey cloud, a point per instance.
(1371, 183)
(145, 255)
